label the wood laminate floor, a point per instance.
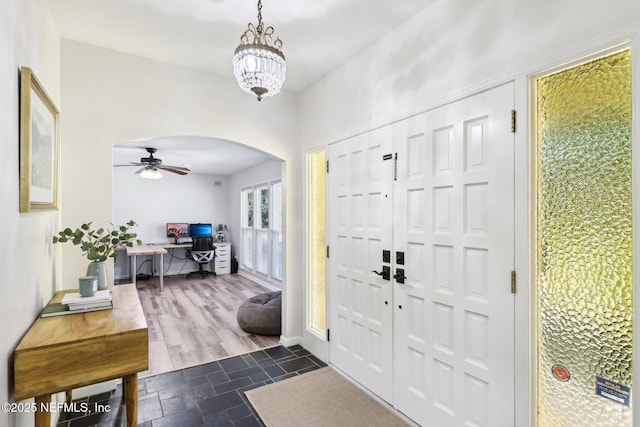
(194, 321)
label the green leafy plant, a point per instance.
(100, 244)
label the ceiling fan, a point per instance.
(151, 165)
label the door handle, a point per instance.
(399, 276)
(385, 273)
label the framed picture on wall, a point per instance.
(39, 145)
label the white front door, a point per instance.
(454, 225)
(360, 301)
(436, 192)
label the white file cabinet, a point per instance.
(223, 258)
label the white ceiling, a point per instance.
(200, 155)
(317, 36)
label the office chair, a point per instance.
(202, 252)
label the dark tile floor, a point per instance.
(207, 395)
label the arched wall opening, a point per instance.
(219, 172)
(209, 192)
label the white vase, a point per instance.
(99, 269)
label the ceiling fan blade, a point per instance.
(130, 164)
(180, 168)
(153, 163)
(168, 169)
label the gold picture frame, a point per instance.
(39, 145)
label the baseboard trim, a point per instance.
(288, 342)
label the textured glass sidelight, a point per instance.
(584, 244)
(317, 248)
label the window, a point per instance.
(247, 228)
(276, 229)
(316, 242)
(584, 235)
(262, 230)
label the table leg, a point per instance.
(130, 384)
(161, 272)
(69, 396)
(133, 270)
(43, 419)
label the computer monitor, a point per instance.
(177, 229)
(200, 230)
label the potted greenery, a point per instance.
(99, 245)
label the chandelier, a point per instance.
(258, 62)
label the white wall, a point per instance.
(452, 49)
(448, 49)
(190, 198)
(29, 263)
(173, 198)
(109, 98)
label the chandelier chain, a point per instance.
(260, 26)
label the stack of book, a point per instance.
(73, 302)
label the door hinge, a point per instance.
(328, 335)
(513, 121)
(327, 251)
(327, 166)
(513, 282)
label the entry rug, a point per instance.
(321, 398)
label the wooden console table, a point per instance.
(61, 353)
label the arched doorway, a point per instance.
(220, 172)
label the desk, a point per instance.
(223, 257)
(175, 245)
(152, 250)
(64, 352)
(223, 254)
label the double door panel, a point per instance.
(437, 340)
(359, 214)
(454, 221)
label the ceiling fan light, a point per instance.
(151, 173)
